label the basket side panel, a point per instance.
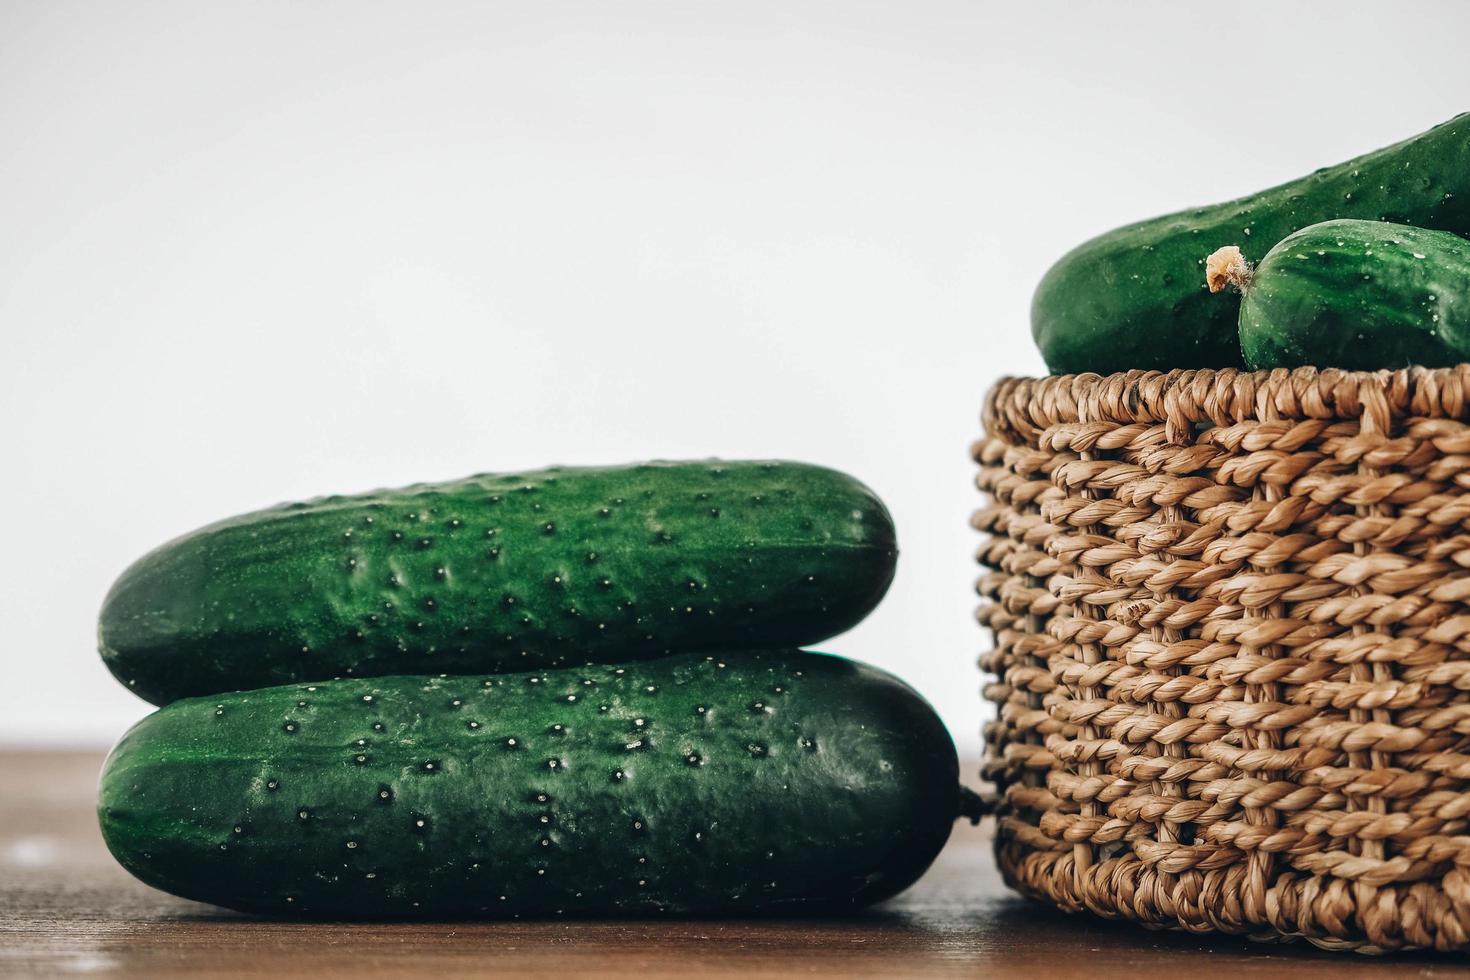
(1231, 622)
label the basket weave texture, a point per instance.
(1231, 615)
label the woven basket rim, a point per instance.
(1024, 406)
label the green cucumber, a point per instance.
(740, 782)
(503, 572)
(1353, 294)
(1135, 297)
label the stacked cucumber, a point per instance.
(572, 691)
(1362, 265)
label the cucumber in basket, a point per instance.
(1135, 298)
(739, 782)
(1352, 294)
(503, 572)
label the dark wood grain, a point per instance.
(67, 909)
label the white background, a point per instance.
(261, 251)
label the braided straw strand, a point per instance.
(1230, 615)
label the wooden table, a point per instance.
(66, 909)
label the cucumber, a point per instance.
(503, 572)
(1353, 294)
(739, 782)
(1135, 298)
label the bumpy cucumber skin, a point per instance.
(1136, 297)
(503, 572)
(1361, 295)
(742, 782)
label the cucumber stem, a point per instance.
(973, 806)
(1227, 267)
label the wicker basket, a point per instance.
(1232, 649)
